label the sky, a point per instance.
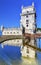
(10, 12)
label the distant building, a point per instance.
(12, 31)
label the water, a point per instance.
(10, 55)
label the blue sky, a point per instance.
(10, 12)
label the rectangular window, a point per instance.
(26, 20)
(17, 40)
(27, 11)
(27, 25)
(27, 49)
(27, 16)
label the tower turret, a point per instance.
(2, 28)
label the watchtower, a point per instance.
(28, 20)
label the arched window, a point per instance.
(14, 32)
(7, 32)
(17, 32)
(10, 32)
(4, 32)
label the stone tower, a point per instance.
(28, 20)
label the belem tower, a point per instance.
(27, 25)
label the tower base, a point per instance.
(27, 52)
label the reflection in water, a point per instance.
(10, 55)
(25, 61)
(30, 61)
